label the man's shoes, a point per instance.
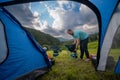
(79, 59)
(87, 60)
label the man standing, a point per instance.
(81, 38)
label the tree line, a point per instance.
(48, 40)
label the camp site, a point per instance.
(59, 39)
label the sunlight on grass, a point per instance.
(68, 68)
(93, 45)
(115, 53)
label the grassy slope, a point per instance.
(67, 68)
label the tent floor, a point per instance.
(34, 74)
(110, 63)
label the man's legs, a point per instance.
(81, 49)
(86, 48)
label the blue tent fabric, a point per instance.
(1, 1)
(23, 55)
(104, 11)
(42, 51)
(117, 68)
(106, 8)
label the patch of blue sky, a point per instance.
(76, 7)
(72, 6)
(51, 4)
(67, 6)
(46, 17)
(41, 8)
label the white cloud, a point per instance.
(58, 20)
(88, 16)
(24, 15)
(62, 2)
(36, 14)
(44, 25)
(64, 19)
(83, 19)
(86, 27)
(69, 4)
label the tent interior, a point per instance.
(53, 18)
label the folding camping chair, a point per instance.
(56, 50)
(71, 51)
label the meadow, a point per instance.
(68, 68)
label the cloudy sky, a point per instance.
(55, 17)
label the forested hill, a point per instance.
(46, 39)
(42, 38)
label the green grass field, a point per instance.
(68, 68)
